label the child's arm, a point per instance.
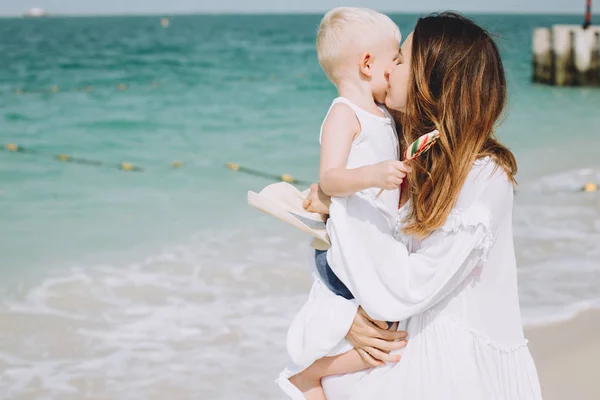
(339, 130)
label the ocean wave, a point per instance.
(557, 231)
(171, 322)
(561, 314)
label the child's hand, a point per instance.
(317, 201)
(389, 175)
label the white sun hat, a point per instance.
(284, 202)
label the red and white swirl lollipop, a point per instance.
(421, 145)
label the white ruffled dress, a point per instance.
(457, 290)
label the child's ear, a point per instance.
(366, 64)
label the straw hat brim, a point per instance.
(284, 202)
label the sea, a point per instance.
(161, 282)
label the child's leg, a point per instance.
(309, 380)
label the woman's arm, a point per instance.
(319, 328)
(373, 340)
(355, 360)
(393, 285)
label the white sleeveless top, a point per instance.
(376, 142)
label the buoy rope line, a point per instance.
(283, 178)
(128, 166)
(589, 187)
(124, 166)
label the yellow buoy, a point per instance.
(122, 86)
(89, 89)
(165, 22)
(125, 166)
(11, 147)
(177, 164)
(590, 187)
(287, 178)
(54, 89)
(233, 166)
(18, 92)
(63, 157)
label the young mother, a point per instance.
(456, 283)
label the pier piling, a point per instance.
(567, 55)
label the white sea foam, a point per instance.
(178, 324)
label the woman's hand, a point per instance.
(317, 201)
(373, 340)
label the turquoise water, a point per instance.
(111, 276)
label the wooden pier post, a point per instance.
(585, 40)
(567, 55)
(542, 56)
(596, 58)
(563, 48)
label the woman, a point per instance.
(458, 285)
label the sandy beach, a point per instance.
(566, 355)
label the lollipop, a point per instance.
(418, 147)
(421, 145)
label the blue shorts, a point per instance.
(331, 280)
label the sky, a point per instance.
(16, 7)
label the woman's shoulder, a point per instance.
(485, 176)
(484, 198)
(486, 171)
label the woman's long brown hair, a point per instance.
(458, 87)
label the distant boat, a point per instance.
(35, 13)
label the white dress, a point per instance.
(457, 288)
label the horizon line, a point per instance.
(276, 12)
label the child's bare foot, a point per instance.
(311, 388)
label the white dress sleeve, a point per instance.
(393, 285)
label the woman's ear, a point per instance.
(366, 65)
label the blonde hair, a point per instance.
(345, 32)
